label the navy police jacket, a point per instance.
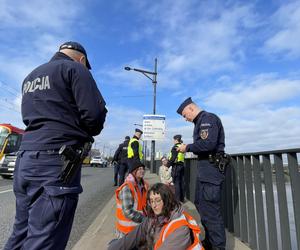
(61, 104)
(208, 138)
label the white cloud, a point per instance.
(264, 129)
(260, 91)
(194, 39)
(285, 40)
(119, 122)
(37, 14)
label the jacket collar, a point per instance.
(60, 56)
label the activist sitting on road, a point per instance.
(165, 172)
(131, 200)
(167, 226)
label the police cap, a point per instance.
(138, 130)
(78, 47)
(184, 104)
(127, 137)
(177, 137)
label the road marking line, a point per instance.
(6, 191)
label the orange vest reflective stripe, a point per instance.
(124, 224)
(184, 220)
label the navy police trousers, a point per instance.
(208, 204)
(44, 207)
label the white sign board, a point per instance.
(154, 127)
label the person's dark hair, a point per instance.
(164, 157)
(167, 196)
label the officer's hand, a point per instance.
(182, 148)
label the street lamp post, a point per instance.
(148, 74)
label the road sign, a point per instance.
(154, 127)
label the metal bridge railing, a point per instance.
(261, 197)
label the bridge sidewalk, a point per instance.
(101, 231)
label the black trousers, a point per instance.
(178, 180)
(116, 173)
(122, 172)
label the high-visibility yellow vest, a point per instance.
(184, 220)
(130, 150)
(180, 155)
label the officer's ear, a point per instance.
(82, 60)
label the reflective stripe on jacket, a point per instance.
(184, 220)
(130, 150)
(124, 224)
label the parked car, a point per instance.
(7, 165)
(98, 161)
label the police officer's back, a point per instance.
(61, 106)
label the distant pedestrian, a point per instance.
(167, 226)
(208, 145)
(131, 200)
(120, 162)
(165, 172)
(176, 160)
(135, 149)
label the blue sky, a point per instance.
(238, 59)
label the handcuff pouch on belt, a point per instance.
(73, 159)
(220, 160)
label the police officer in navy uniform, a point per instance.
(61, 105)
(208, 141)
(176, 160)
(135, 150)
(120, 159)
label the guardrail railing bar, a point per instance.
(261, 230)
(270, 207)
(250, 202)
(295, 185)
(243, 211)
(282, 203)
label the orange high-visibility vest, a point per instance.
(184, 220)
(124, 224)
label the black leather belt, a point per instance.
(206, 157)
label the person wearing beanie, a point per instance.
(131, 200)
(176, 160)
(120, 162)
(208, 145)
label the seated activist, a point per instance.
(131, 200)
(167, 226)
(165, 172)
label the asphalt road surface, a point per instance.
(97, 191)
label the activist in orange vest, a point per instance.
(131, 200)
(167, 226)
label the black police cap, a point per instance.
(127, 137)
(177, 137)
(78, 47)
(138, 130)
(184, 104)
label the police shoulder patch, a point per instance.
(204, 134)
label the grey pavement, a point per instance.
(101, 231)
